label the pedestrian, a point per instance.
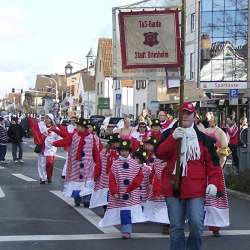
(233, 133)
(3, 140)
(44, 136)
(15, 133)
(124, 203)
(144, 117)
(126, 131)
(139, 136)
(82, 170)
(200, 174)
(219, 136)
(165, 120)
(108, 155)
(155, 131)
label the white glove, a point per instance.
(179, 133)
(211, 190)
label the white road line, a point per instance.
(23, 177)
(2, 194)
(68, 237)
(86, 213)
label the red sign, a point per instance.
(150, 39)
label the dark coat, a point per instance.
(15, 133)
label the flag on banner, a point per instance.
(149, 39)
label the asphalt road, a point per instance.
(38, 217)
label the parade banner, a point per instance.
(149, 39)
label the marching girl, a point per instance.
(44, 136)
(141, 157)
(155, 129)
(155, 209)
(125, 178)
(82, 168)
(139, 136)
(108, 155)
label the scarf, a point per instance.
(190, 149)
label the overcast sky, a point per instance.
(40, 36)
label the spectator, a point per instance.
(233, 133)
(15, 133)
(144, 117)
(3, 140)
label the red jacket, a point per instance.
(200, 172)
(233, 133)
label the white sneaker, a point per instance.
(21, 161)
(16, 161)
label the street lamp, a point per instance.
(56, 83)
(68, 69)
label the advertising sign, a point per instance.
(149, 39)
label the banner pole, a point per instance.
(177, 181)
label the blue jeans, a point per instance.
(178, 211)
(127, 228)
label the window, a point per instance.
(192, 66)
(143, 84)
(137, 110)
(101, 88)
(100, 66)
(98, 85)
(192, 24)
(137, 84)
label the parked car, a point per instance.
(108, 125)
(97, 120)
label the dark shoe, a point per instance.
(126, 236)
(49, 180)
(77, 202)
(63, 177)
(86, 204)
(42, 182)
(216, 234)
(165, 229)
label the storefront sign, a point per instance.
(223, 85)
(149, 39)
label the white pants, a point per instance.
(65, 166)
(42, 167)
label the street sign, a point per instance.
(118, 99)
(233, 96)
(103, 103)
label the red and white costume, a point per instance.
(44, 137)
(155, 209)
(124, 181)
(83, 166)
(99, 196)
(146, 183)
(70, 129)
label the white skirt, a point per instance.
(112, 216)
(99, 198)
(156, 211)
(216, 217)
(85, 187)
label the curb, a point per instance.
(239, 195)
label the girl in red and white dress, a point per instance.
(124, 203)
(139, 136)
(155, 209)
(82, 168)
(108, 155)
(69, 129)
(44, 136)
(141, 156)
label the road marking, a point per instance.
(23, 177)
(2, 194)
(68, 237)
(88, 214)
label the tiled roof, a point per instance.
(106, 50)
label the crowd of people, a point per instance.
(132, 176)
